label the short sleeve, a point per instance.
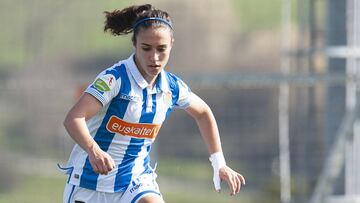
(105, 87)
(183, 100)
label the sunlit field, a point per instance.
(179, 183)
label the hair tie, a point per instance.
(152, 18)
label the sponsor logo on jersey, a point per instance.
(105, 83)
(138, 130)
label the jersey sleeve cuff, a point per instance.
(183, 104)
(97, 95)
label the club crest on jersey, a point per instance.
(105, 83)
(168, 99)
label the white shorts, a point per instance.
(142, 186)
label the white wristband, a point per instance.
(217, 161)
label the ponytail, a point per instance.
(120, 22)
(130, 19)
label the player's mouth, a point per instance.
(155, 66)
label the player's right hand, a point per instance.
(101, 161)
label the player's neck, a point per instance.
(151, 81)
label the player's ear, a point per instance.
(172, 41)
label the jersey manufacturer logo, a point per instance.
(135, 187)
(138, 130)
(128, 97)
(105, 83)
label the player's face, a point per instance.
(152, 50)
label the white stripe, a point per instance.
(161, 109)
(149, 101)
(116, 150)
(78, 155)
(77, 159)
(139, 162)
(133, 113)
(95, 122)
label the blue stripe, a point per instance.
(143, 193)
(158, 83)
(103, 137)
(147, 159)
(143, 111)
(124, 174)
(71, 193)
(147, 167)
(116, 71)
(174, 88)
(148, 118)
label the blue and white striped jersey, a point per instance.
(127, 124)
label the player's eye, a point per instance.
(161, 49)
(146, 48)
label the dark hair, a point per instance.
(121, 22)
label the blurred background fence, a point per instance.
(279, 75)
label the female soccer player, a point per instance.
(118, 117)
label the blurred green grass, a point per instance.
(257, 15)
(33, 28)
(180, 181)
(36, 188)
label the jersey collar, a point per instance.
(161, 81)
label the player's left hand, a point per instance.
(232, 178)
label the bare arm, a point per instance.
(206, 122)
(75, 124)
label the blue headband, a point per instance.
(153, 18)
